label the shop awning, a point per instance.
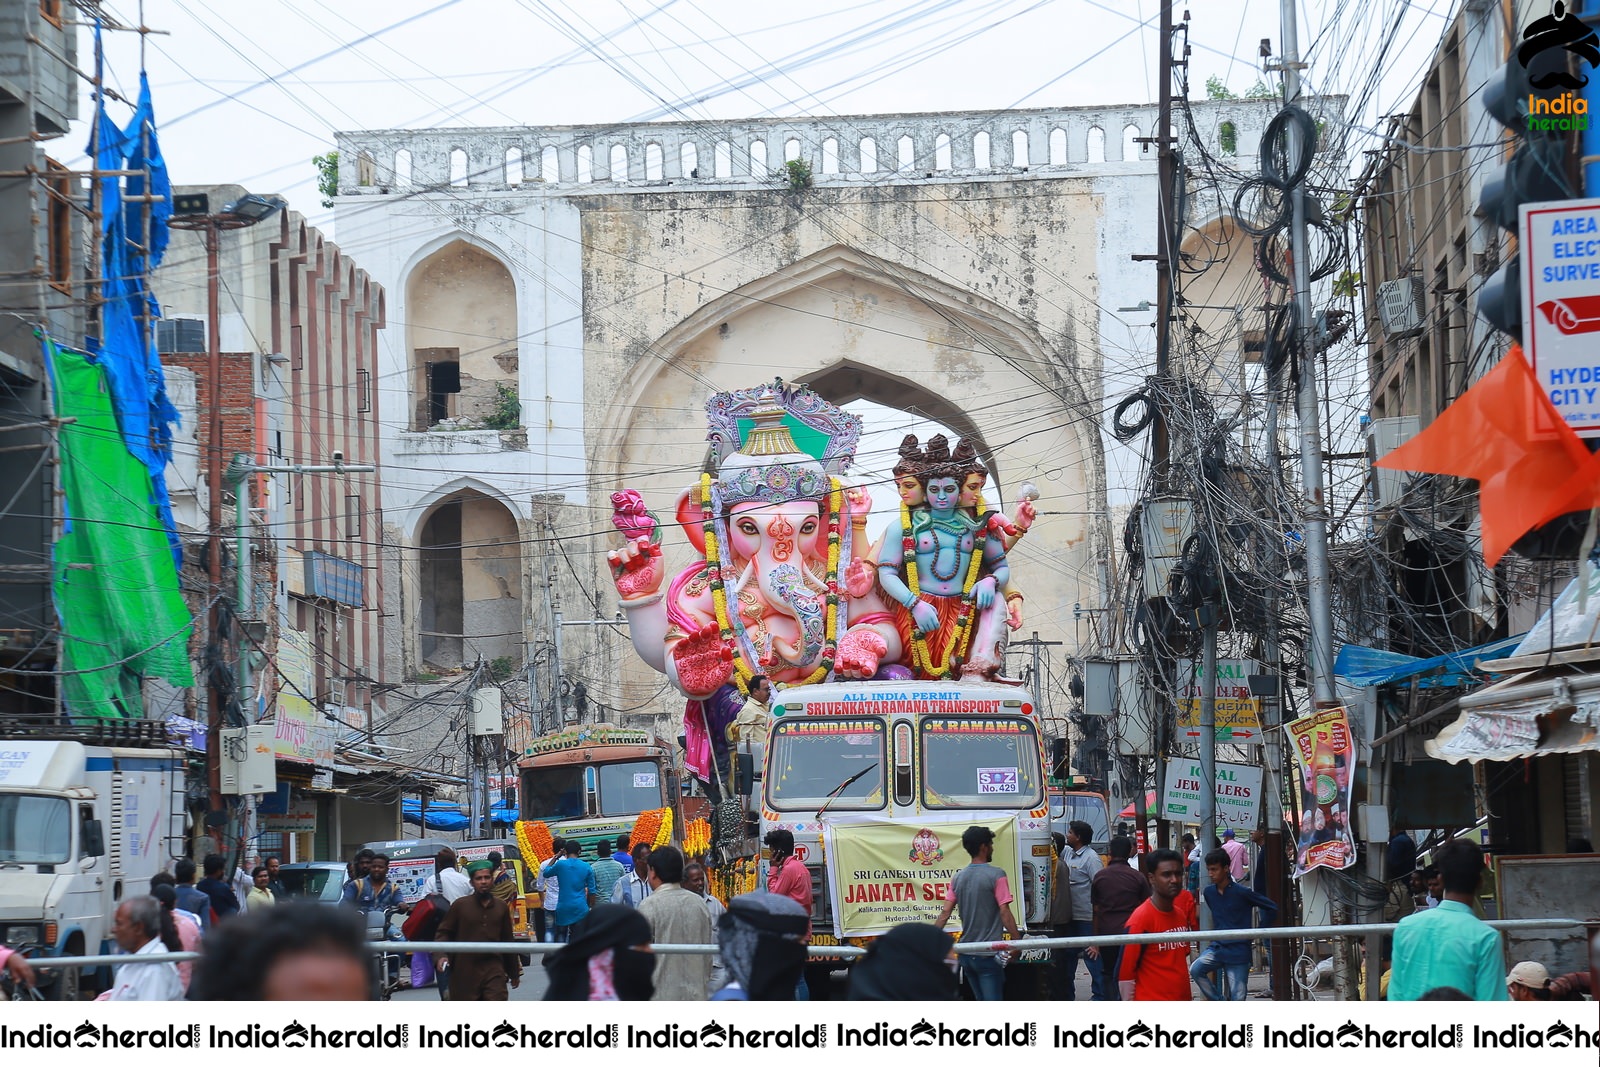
(1360, 665)
(1551, 711)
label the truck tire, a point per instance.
(68, 985)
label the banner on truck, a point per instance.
(1325, 756)
(883, 873)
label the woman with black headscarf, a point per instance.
(910, 962)
(608, 957)
(762, 940)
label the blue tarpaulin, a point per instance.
(443, 815)
(1360, 665)
(126, 348)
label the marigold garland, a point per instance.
(919, 642)
(734, 879)
(697, 837)
(653, 828)
(731, 628)
(533, 838)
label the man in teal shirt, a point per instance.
(1448, 945)
(576, 881)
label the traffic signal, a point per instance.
(1535, 172)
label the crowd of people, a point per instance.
(610, 917)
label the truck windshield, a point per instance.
(629, 788)
(34, 829)
(1085, 806)
(809, 760)
(980, 762)
(552, 793)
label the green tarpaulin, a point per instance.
(116, 586)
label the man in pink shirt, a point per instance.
(788, 877)
(1238, 855)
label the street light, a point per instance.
(192, 211)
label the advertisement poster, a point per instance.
(1237, 793)
(1325, 755)
(886, 873)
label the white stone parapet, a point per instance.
(750, 153)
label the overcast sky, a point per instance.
(248, 92)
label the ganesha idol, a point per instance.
(787, 584)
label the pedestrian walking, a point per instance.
(260, 894)
(1238, 855)
(576, 881)
(676, 917)
(621, 853)
(1079, 863)
(1448, 945)
(480, 917)
(224, 902)
(549, 889)
(788, 877)
(136, 927)
(1060, 918)
(1233, 906)
(183, 924)
(983, 894)
(1191, 864)
(505, 882)
(1115, 891)
(607, 871)
(913, 961)
(297, 951)
(694, 880)
(447, 884)
(274, 882)
(608, 957)
(762, 941)
(634, 887)
(447, 880)
(190, 898)
(1160, 971)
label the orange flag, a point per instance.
(1505, 433)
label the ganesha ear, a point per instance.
(692, 517)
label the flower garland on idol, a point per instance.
(730, 625)
(919, 641)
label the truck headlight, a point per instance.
(21, 935)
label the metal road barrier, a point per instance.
(1027, 944)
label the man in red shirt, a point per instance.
(1160, 971)
(788, 877)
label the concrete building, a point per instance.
(567, 297)
(42, 284)
(299, 327)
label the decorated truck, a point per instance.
(891, 730)
(594, 783)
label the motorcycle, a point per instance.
(386, 963)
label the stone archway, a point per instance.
(850, 326)
(461, 337)
(469, 582)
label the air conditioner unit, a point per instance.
(1400, 306)
(248, 760)
(1383, 437)
(486, 718)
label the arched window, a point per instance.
(652, 162)
(366, 169)
(458, 168)
(1019, 148)
(550, 164)
(791, 149)
(830, 156)
(585, 163)
(689, 160)
(1096, 147)
(724, 159)
(941, 152)
(619, 163)
(758, 159)
(1058, 146)
(906, 152)
(1228, 138)
(513, 166)
(869, 156)
(402, 168)
(980, 150)
(1130, 142)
